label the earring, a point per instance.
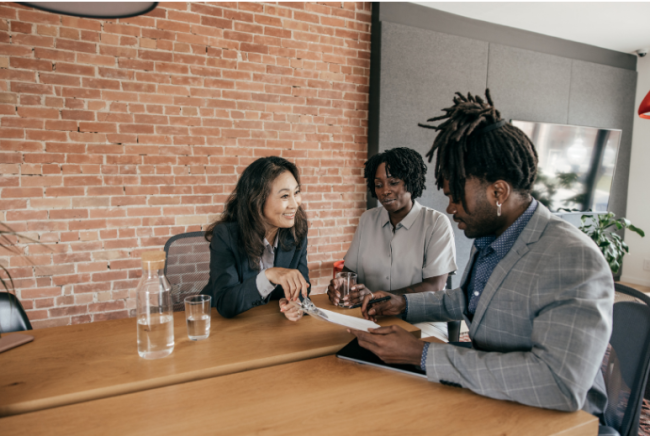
(498, 209)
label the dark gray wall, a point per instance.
(421, 56)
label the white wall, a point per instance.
(638, 194)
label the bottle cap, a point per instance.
(153, 260)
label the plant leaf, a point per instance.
(637, 230)
(4, 283)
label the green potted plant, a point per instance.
(600, 228)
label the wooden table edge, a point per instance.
(112, 391)
(581, 429)
(587, 428)
(28, 406)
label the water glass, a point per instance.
(197, 314)
(345, 280)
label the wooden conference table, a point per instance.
(71, 364)
(257, 374)
(319, 396)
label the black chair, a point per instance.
(453, 327)
(12, 315)
(626, 363)
(187, 266)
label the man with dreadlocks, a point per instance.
(537, 294)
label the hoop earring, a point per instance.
(498, 209)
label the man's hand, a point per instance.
(391, 344)
(354, 297)
(394, 306)
(291, 280)
(291, 310)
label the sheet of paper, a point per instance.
(346, 320)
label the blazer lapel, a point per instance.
(468, 269)
(283, 258)
(464, 281)
(531, 234)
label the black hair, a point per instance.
(404, 164)
(245, 206)
(496, 151)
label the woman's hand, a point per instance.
(395, 306)
(291, 311)
(291, 280)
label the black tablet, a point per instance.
(354, 352)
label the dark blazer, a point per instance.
(232, 282)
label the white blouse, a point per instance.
(422, 246)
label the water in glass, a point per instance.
(197, 314)
(345, 280)
(198, 327)
(155, 336)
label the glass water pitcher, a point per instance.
(154, 308)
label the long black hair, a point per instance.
(404, 164)
(475, 142)
(245, 206)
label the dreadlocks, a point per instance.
(402, 163)
(497, 151)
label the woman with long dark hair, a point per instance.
(258, 248)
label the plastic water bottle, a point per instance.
(154, 308)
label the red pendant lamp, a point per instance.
(644, 107)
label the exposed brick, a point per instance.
(77, 46)
(17, 26)
(114, 138)
(66, 68)
(93, 59)
(38, 17)
(31, 88)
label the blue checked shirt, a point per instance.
(490, 252)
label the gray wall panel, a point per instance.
(414, 15)
(603, 96)
(529, 86)
(426, 55)
(420, 71)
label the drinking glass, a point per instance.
(345, 281)
(197, 314)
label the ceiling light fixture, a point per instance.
(100, 10)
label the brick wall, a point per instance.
(116, 135)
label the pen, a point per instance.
(371, 302)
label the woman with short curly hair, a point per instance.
(402, 246)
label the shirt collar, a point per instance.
(506, 240)
(407, 221)
(275, 244)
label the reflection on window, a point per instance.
(576, 165)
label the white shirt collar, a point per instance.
(407, 221)
(275, 244)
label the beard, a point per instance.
(482, 221)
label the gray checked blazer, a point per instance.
(541, 327)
